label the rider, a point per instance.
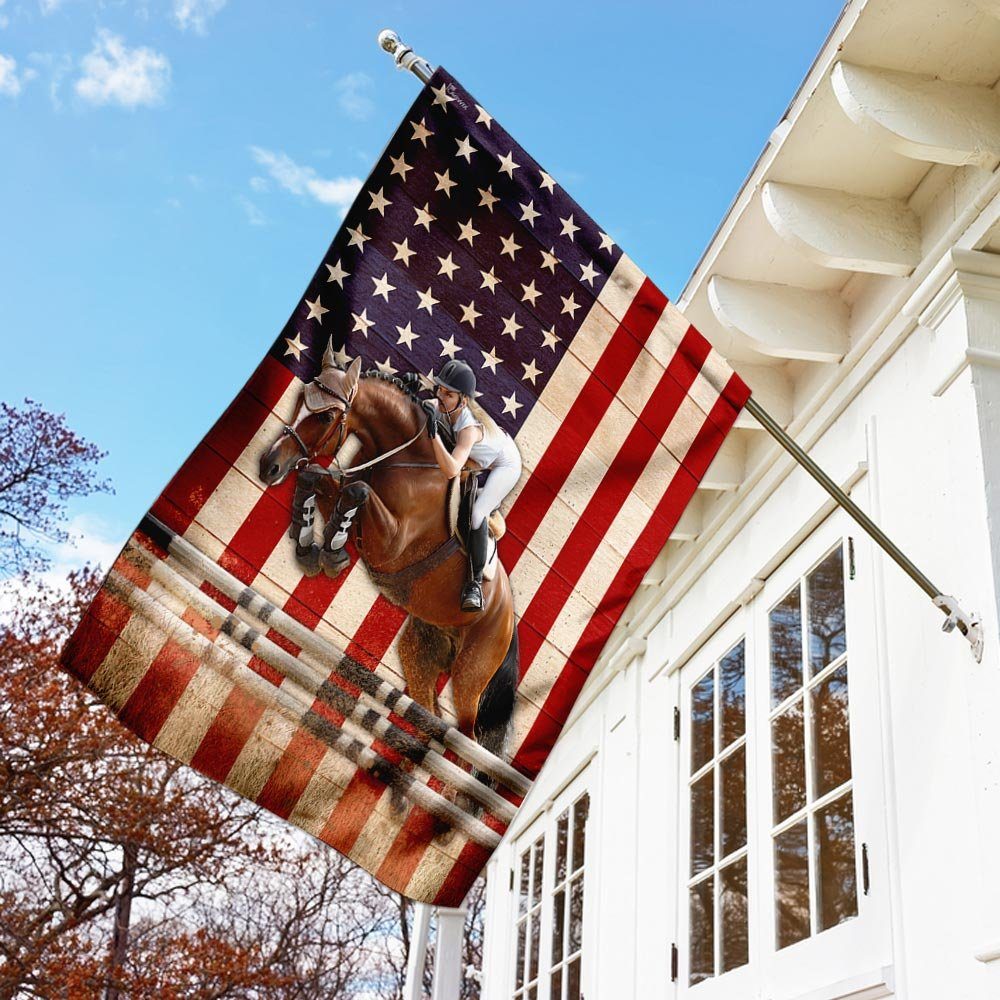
(479, 438)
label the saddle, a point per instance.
(461, 495)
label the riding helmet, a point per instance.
(458, 377)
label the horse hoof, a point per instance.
(308, 557)
(333, 563)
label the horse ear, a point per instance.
(329, 357)
(353, 374)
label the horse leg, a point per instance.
(332, 557)
(426, 652)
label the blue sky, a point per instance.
(172, 172)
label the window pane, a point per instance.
(791, 890)
(733, 695)
(733, 804)
(556, 992)
(536, 878)
(702, 949)
(702, 722)
(520, 952)
(827, 634)
(576, 915)
(558, 922)
(562, 842)
(522, 896)
(789, 756)
(703, 823)
(733, 917)
(573, 981)
(536, 923)
(533, 993)
(835, 863)
(831, 733)
(786, 647)
(581, 809)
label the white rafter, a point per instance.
(727, 468)
(845, 231)
(780, 321)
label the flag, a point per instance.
(212, 640)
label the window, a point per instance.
(549, 932)
(717, 890)
(812, 807)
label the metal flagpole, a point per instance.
(968, 624)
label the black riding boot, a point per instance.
(472, 593)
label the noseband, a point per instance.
(288, 431)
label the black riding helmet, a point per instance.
(458, 377)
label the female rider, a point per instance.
(478, 438)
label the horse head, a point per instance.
(318, 426)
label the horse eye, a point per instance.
(326, 417)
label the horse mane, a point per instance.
(409, 392)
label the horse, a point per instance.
(397, 523)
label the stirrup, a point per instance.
(472, 597)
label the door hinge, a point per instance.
(512, 880)
(851, 569)
(677, 723)
(866, 882)
(674, 961)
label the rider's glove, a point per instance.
(432, 417)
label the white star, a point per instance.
(403, 252)
(420, 132)
(406, 336)
(362, 322)
(337, 273)
(570, 305)
(470, 315)
(511, 405)
(547, 181)
(295, 346)
(342, 357)
(530, 292)
(588, 273)
(358, 238)
(606, 241)
(424, 217)
(484, 117)
(528, 214)
(511, 326)
(379, 201)
(509, 246)
(382, 286)
(384, 366)
(448, 266)
(550, 338)
(466, 149)
(467, 231)
(568, 226)
(550, 260)
(316, 309)
(490, 280)
(487, 199)
(445, 183)
(449, 347)
(399, 166)
(531, 370)
(441, 96)
(427, 301)
(507, 164)
(490, 360)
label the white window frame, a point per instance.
(862, 943)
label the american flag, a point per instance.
(459, 246)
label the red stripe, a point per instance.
(228, 734)
(100, 626)
(292, 774)
(156, 694)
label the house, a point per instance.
(782, 779)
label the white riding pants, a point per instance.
(500, 481)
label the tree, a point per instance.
(43, 465)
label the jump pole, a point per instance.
(955, 617)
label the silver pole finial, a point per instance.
(404, 56)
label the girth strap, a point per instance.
(397, 585)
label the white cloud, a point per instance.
(254, 215)
(115, 74)
(10, 82)
(353, 92)
(259, 184)
(49, 6)
(195, 14)
(337, 191)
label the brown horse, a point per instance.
(397, 523)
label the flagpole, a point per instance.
(968, 624)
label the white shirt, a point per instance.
(495, 450)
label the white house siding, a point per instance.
(909, 421)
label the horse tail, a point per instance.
(496, 706)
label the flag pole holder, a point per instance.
(967, 623)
